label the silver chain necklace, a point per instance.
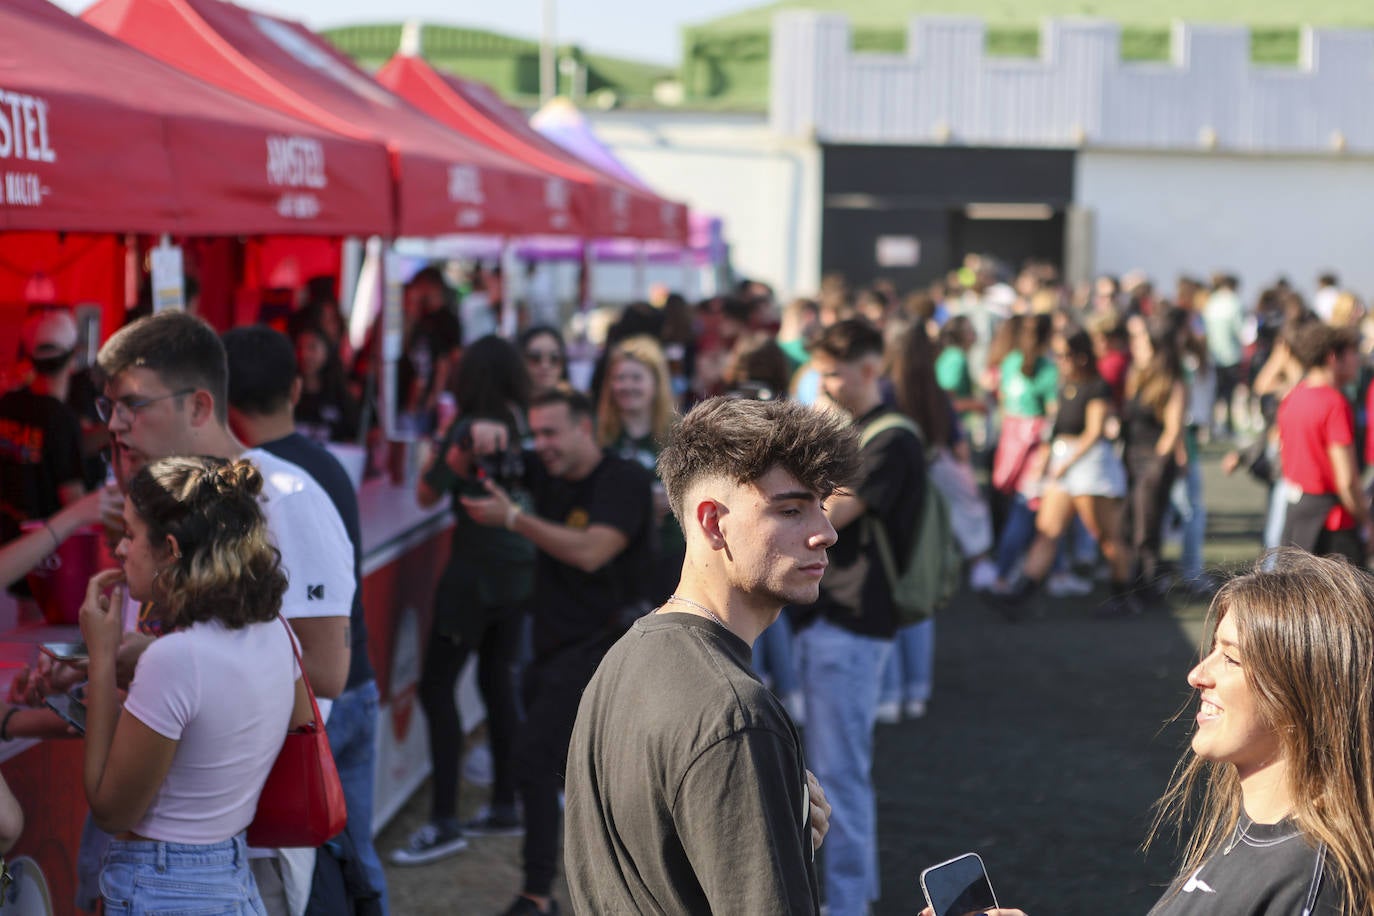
(700, 607)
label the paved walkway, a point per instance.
(1045, 745)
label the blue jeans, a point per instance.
(841, 673)
(148, 876)
(1186, 497)
(1017, 533)
(774, 657)
(1276, 515)
(907, 674)
(352, 731)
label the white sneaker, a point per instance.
(983, 576)
(1067, 585)
(889, 713)
(914, 709)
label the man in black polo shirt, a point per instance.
(263, 388)
(846, 636)
(592, 523)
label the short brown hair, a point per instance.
(578, 404)
(1316, 342)
(183, 350)
(849, 340)
(742, 440)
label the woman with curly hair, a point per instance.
(176, 778)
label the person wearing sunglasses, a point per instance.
(546, 358)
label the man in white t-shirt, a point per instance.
(166, 393)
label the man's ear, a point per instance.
(202, 407)
(708, 515)
(297, 384)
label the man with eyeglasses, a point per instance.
(166, 393)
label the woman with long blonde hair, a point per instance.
(634, 419)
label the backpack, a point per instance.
(933, 570)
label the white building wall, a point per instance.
(766, 188)
(1254, 216)
(1078, 92)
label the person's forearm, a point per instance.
(37, 723)
(102, 714)
(566, 545)
(11, 818)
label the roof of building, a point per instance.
(879, 13)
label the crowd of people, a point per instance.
(712, 510)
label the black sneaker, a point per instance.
(494, 823)
(524, 906)
(430, 843)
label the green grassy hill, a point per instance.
(509, 64)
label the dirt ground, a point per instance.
(1045, 744)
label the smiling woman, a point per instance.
(1283, 755)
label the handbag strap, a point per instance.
(291, 638)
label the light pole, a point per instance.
(548, 70)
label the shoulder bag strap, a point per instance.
(314, 706)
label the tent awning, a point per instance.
(96, 137)
(617, 208)
(447, 183)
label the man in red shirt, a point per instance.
(1328, 512)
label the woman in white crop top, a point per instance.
(177, 777)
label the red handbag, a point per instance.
(302, 802)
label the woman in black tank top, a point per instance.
(1152, 426)
(1084, 478)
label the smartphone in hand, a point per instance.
(959, 887)
(72, 710)
(65, 651)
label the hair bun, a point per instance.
(239, 476)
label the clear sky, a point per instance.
(641, 29)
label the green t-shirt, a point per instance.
(1027, 397)
(951, 372)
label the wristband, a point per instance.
(5, 723)
(56, 541)
(511, 514)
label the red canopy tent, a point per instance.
(189, 158)
(620, 210)
(97, 138)
(448, 183)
